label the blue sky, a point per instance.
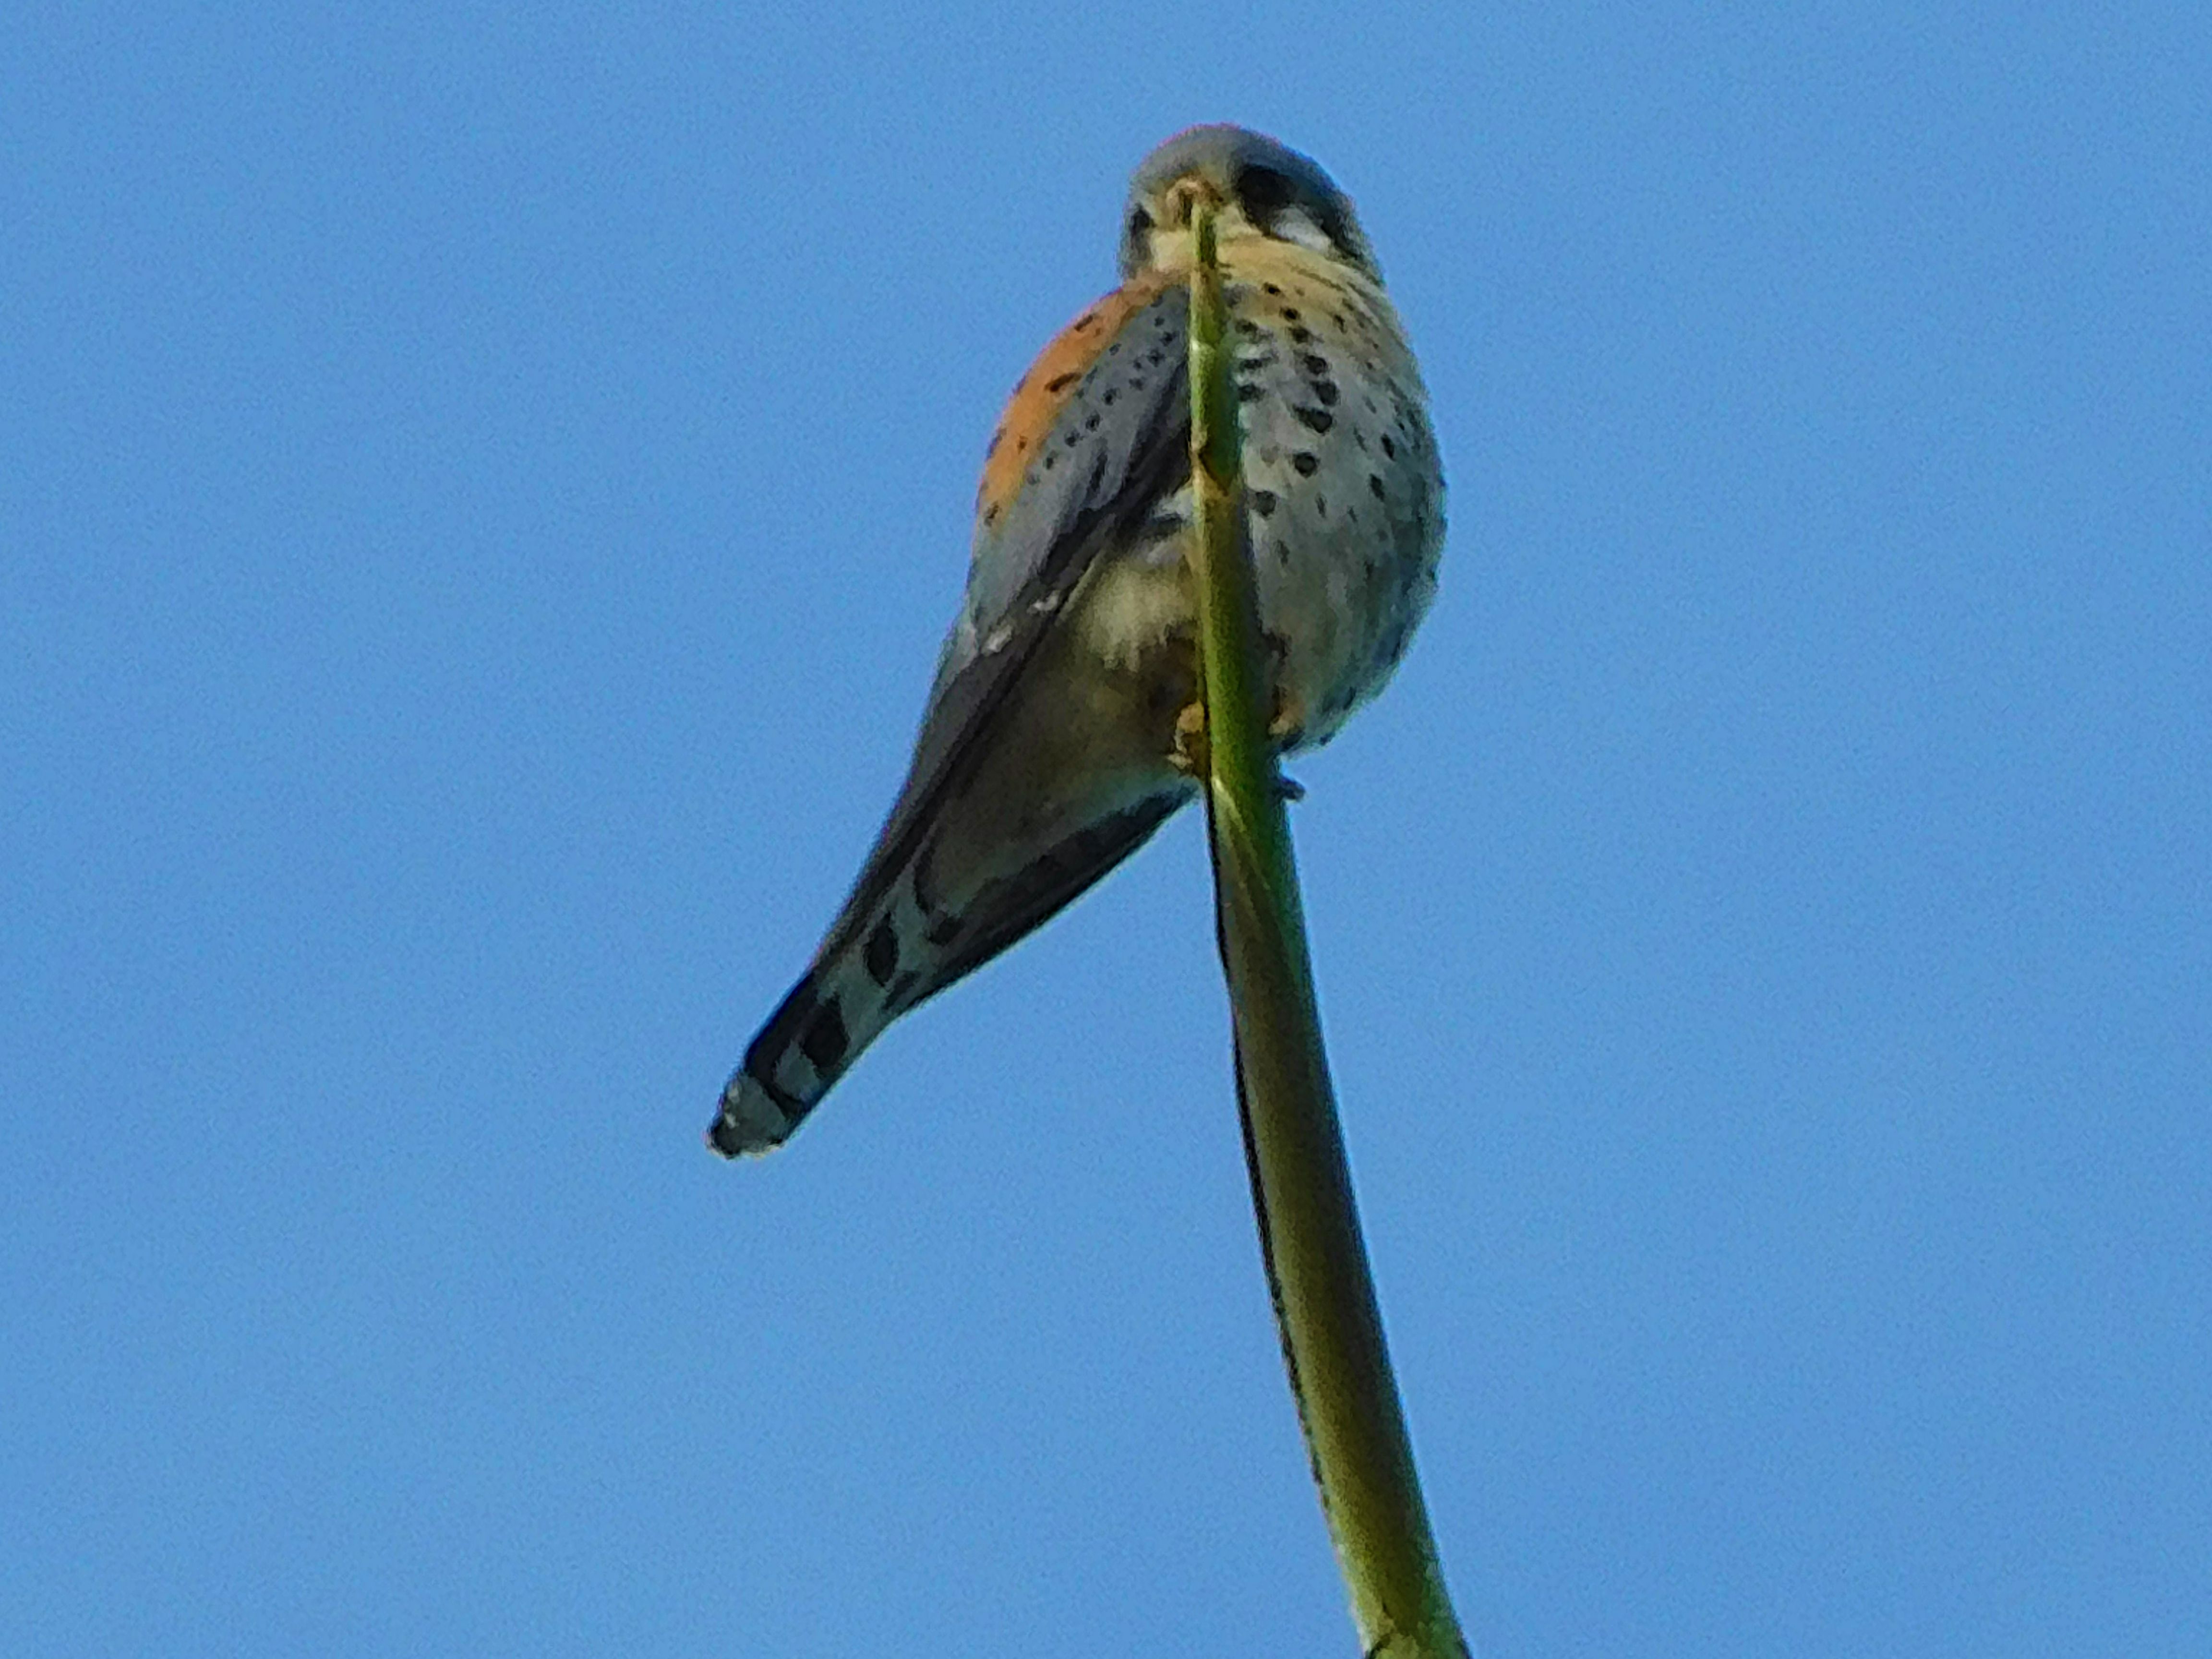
(483, 490)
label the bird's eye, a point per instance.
(1140, 220)
(1265, 193)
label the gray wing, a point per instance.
(1119, 446)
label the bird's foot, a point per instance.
(1187, 751)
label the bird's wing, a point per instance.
(1095, 438)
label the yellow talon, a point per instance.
(1186, 752)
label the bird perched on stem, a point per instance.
(1062, 727)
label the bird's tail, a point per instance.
(802, 1051)
(890, 950)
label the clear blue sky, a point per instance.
(480, 492)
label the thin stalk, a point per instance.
(1309, 1238)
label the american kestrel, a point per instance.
(1054, 737)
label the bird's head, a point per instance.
(1258, 187)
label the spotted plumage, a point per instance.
(1049, 746)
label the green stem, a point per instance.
(1317, 1263)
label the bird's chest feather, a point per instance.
(1343, 498)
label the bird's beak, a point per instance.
(1178, 200)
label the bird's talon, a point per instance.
(1188, 753)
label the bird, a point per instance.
(1056, 735)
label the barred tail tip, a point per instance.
(750, 1121)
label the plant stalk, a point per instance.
(1309, 1238)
